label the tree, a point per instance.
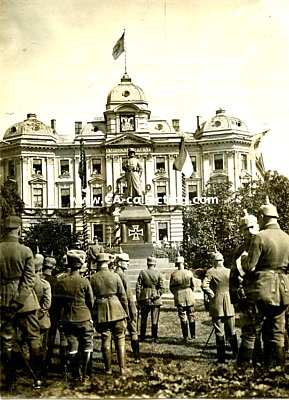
(51, 237)
(209, 226)
(10, 201)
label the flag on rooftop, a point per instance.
(256, 140)
(183, 162)
(118, 48)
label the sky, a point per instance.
(190, 57)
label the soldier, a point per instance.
(216, 285)
(122, 263)
(267, 264)
(149, 289)
(110, 311)
(76, 300)
(93, 251)
(182, 287)
(19, 302)
(250, 347)
(43, 292)
(49, 265)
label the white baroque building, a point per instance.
(44, 164)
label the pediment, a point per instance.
(37, 181)
(128, 140)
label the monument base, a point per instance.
(137, 250)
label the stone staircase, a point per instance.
(164, 266)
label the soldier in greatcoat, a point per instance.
(267, 263)
(216, 285)
(76, 299)
(250, 347)
(182, 287)
(19, 303)
(122, 263)
(149, 289)
(110, 311)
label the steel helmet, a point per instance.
(268, 209)
(248, 220)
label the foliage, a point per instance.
(10, 201)
(206, 225)
(51, 237)
(209, 225)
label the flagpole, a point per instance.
(83, 196)
(124, 45)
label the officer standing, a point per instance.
(122, 263)
(93, 252)
(76, 300)
(110, 311)
(182, 287)
(19, 302)
(149, 289)
(216, 285)
(250, 347)
(267, 264)
(43, 292)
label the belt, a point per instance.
(280, 270)
(105, 296)
(7, 281)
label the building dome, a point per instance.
(31, 129)
(221, 122)
(126, 92)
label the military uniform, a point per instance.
(76, 300)
(43, 292)
(93, 251)
(19, 302)
(122, 262)
(149, 289)
(250, 347)
(216, 285)
(133, 171)
(267, 263)
(182, 287)
(110, 311)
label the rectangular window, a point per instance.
(193, 191)
(194, 162)
(64, 167)
(65, 197)
(11, 167)
(244, 162)
(98, 232)
(37, 197)
(162, 230)
(218, 161)
(96, 165)
(161, 194)
(97, 196)
(37, 166)
(160, 164)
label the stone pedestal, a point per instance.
(136, 237)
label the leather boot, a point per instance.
(244, 356)
(106, 353)
(74, 367)
(9, 371)
(121, 355)
(279, 357)
(36, 365)
(192, 326)
(86, 364)
(63, 360)
(155, 333)
(234, 345)
(220, 342)
(135, 350)
(143, 329)
(185, 331)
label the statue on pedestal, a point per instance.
(133, 171)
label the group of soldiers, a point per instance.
(36, 303)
